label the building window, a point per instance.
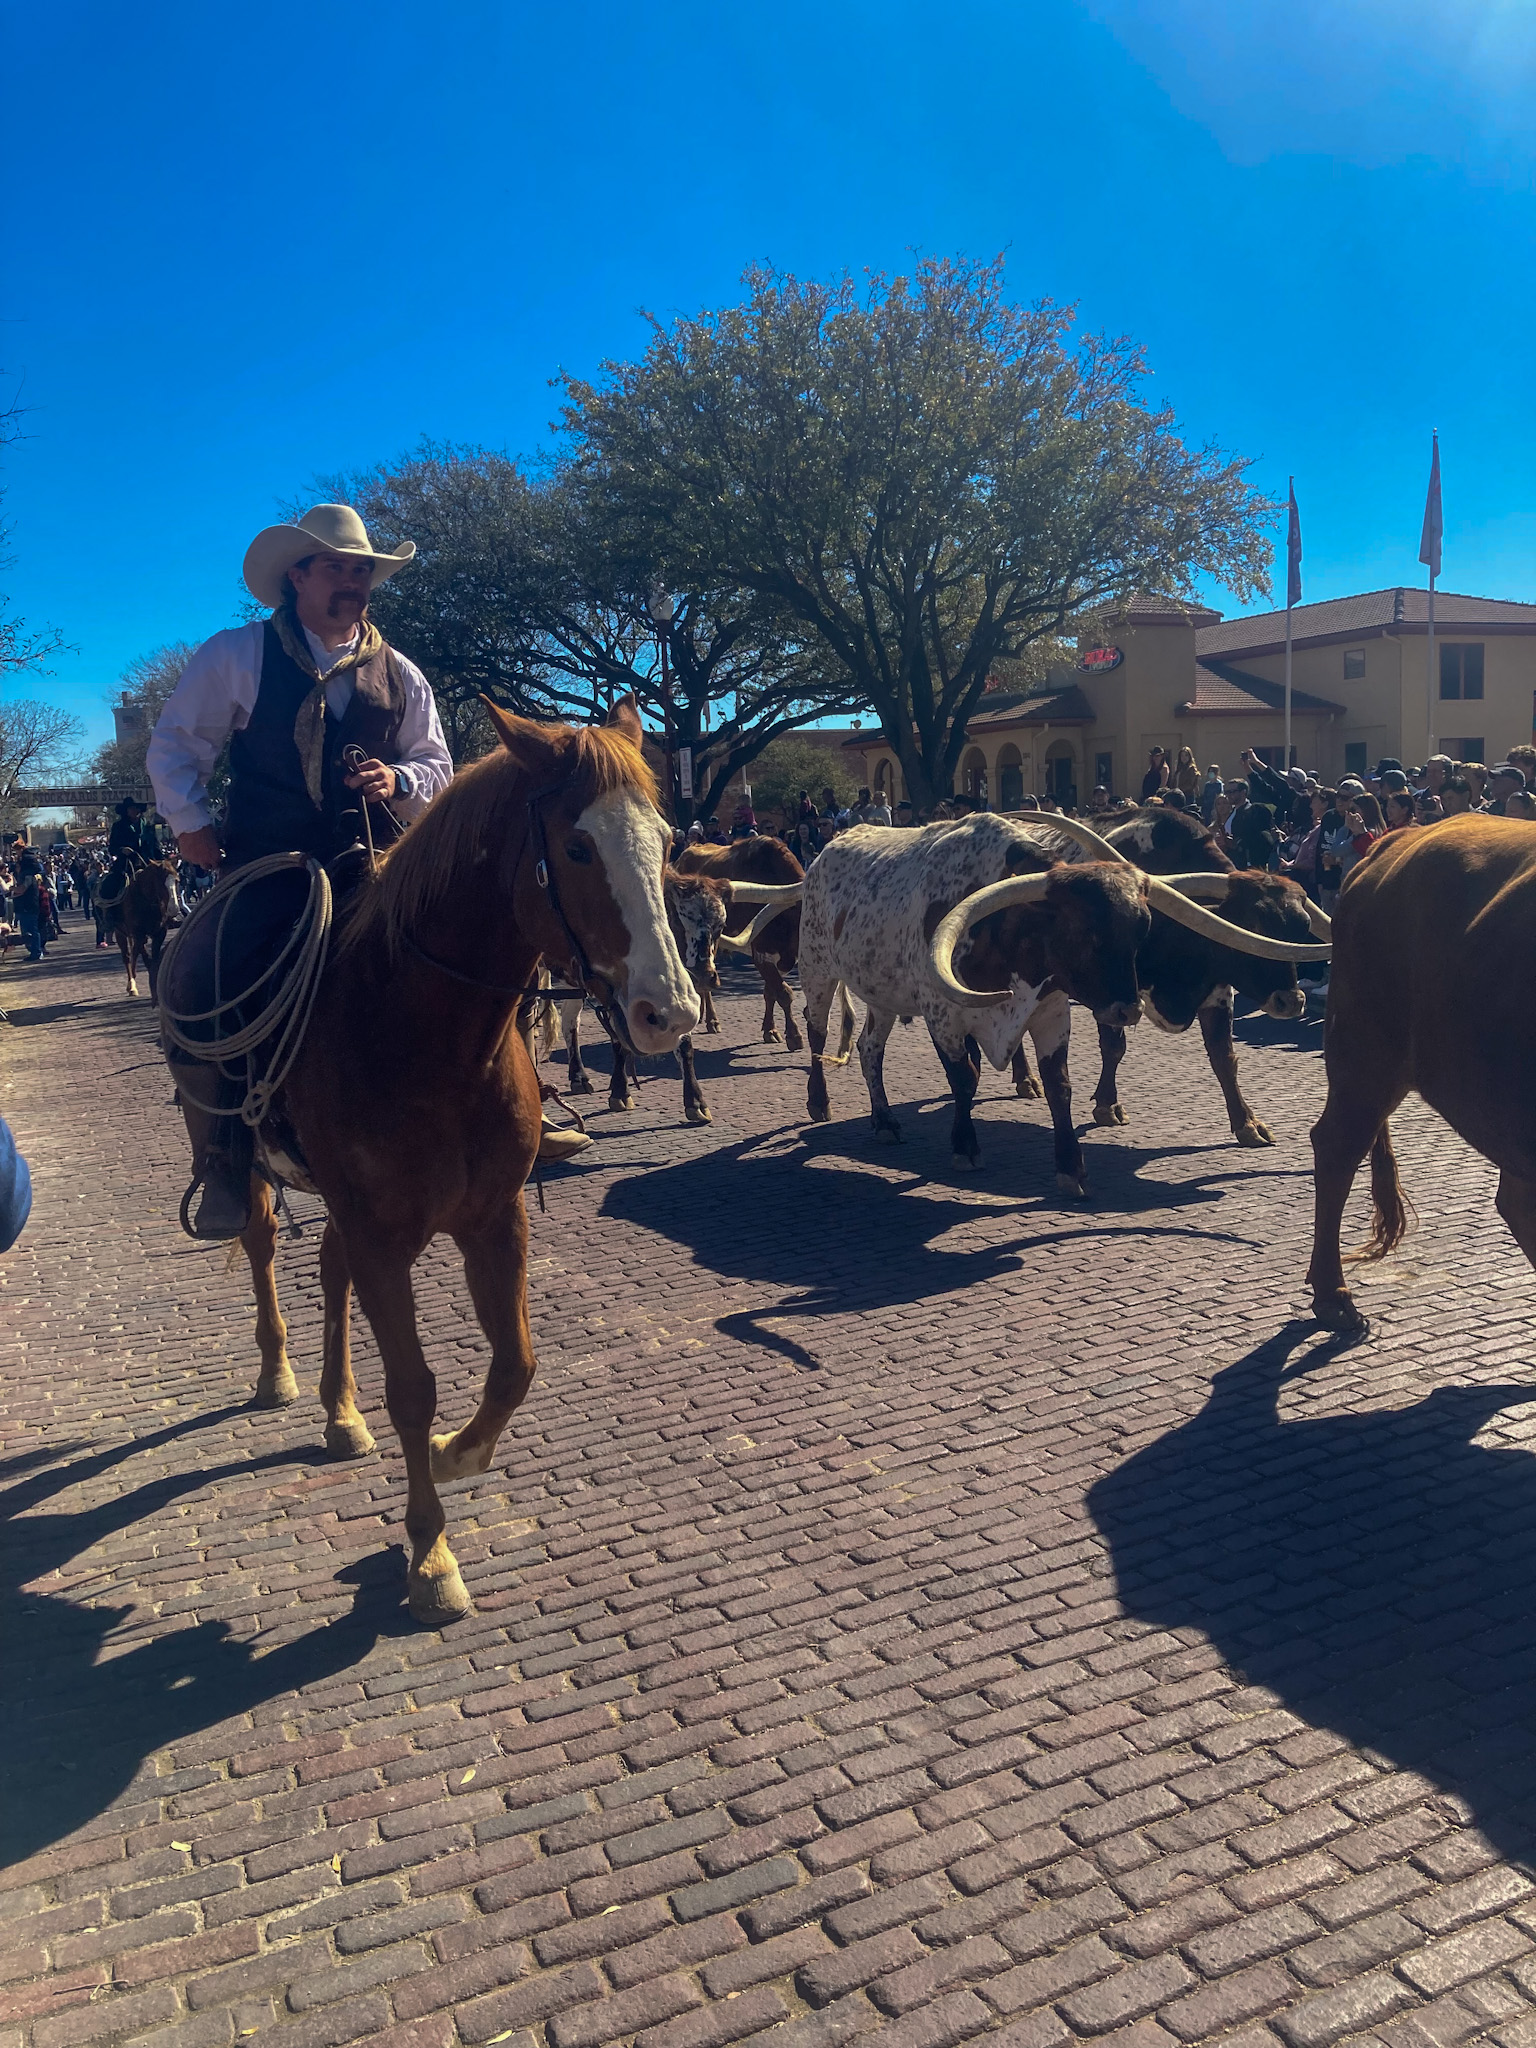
(1354, 757)
(1354, 664)
(1464, 750)
(1461, 670)
(1104, 772)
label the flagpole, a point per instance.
(1287, 686)
(1429, 681)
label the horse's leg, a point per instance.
(382, 1276)
(496, 1270)
(346, 1433)
(155, 944)
(125, 947)
(276, 1386)
(695, 1108)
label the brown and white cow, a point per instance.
(1190, 977)
(758, 863)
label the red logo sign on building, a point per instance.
(1099, 660)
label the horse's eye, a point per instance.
(578, 853)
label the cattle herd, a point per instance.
(989, 927)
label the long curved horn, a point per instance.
(1174, 904)
(1320, 922)
(968, 912)
(773, 896)
(1074, 828)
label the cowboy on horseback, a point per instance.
(333, 738)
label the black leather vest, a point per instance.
(270, 809)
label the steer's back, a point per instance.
(875, 895)
(1434, 978)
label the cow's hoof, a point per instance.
(435, 1592)
(621, 1102)
(351, 1439)
(793, 1042)
(965, 1162)
(1029, 1088)
(772, 1038)
(888, 1132)
(276, 1389)
(1108, 1113)
(1253, 1135)
(819, 1116)
(1073, 1185)
(581, 1085)
(698, 1114)
(711, 1030)
(1337, 1311)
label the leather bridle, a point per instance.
(609, 1011)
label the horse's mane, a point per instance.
(481, 818)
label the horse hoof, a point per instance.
(276, 1390)
(699, 1116)
(1337, 1311)
(133, 988)
(351, 1439)
(451, 1462)
(1253, 1135)
(1074, 1185)
(435, 1592)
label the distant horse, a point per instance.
(413, 1107)
(139, 918)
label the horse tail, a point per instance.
(1391, 1211)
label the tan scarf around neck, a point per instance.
(309, 725)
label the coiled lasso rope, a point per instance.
(295, 974)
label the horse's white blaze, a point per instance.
(655, 988)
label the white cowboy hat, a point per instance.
(324, 529)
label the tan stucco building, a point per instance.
(1186, 677)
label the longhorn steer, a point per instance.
(876, 916)
(1188, 977)
(697, 907)
(768, 863)
(1433, 989)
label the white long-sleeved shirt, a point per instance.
(216, 695)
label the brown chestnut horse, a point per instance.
(139, 919)
(413, 1100)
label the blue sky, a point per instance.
(249, 246)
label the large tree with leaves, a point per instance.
(924, 474)
(521, 592)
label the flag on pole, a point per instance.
(1429, 539)
(1293, 553)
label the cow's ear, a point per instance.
(1026, 860)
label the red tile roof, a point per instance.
(1219, 688)
(1374, 611)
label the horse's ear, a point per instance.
(515, 733)
(625, 719)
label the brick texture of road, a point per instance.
(905, 1606)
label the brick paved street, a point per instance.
(904, 1604)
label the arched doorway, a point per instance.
(1061, 772)
(973, 775)
(885, 783)
(1010, 778)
